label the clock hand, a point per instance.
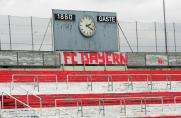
(90, 28)
(88, 25)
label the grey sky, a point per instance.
(128, 10)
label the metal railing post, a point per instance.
(38, 84)
(67, 80)
(89, 82)
(162, 103)
(123, 106)
(27, 98)
(2, 100)
(130, 82)
(101, 106)
(84, 67)
(41, 105)
(149, 82)
(80, 108)
(12, 84)
(175, 102)
(16, 108)
(143, 105)
(0, 108)
(15, 104)
(110, 82)
(56, 78)
(34, 82)
(169, 82)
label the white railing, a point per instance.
(35, 78)
(28, 93)
(24, 104)
(102, 103)
(108, 78)
(130, 78)
(175, 101)
(61, 110)
(78, 104)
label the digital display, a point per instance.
(109, 19)
(66, 17)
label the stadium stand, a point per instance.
(51, 93)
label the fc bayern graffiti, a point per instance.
(99, 58)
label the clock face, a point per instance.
(87, 26)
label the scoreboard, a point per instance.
(85, 31)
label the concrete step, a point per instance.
(95, 87)
(18, 113)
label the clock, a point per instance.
(87, 26)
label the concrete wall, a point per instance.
(8, 58)
(139, 59)
(46, 59)
(24, 58)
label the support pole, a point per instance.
(9, 22)
(165, 26)
(119, 40)
(53, 49)
(125, 37)
(44, 34)
(156, 38)
(175, 43)
(0, 44)
(137, 36)
(32, 34)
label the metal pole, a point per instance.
(10, 32)
(32, 33)
(0, 44)
(125, 37)
(45, 34)
(52, 34)
(119, 40)
(156, 38)
(137, 36)
(165, 27)
(174, 37)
